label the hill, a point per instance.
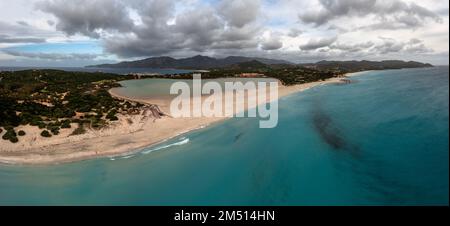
(196, 62)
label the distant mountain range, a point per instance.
(196, 62)
(204, 62)
(367, 65)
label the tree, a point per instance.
(22, 133)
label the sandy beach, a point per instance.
(130, 134)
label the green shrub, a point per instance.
(13, 139)
(78, 131)
(55, 131)
(9, 134)
(9, 128)
(66, 124)
(112, 115)
(114, 118)
(42, 125)
(45, 133)
(22, 133)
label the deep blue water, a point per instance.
(105, 70)
(382, 140)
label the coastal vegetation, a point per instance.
(292, 74)
(52, 100)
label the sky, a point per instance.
(75, 33)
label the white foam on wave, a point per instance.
(182, 142)
(128, 156)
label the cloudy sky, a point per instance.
(83, 32)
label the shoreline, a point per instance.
(115, 142)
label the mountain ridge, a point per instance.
(195, 62)
(205, 62)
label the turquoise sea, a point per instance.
(382, 140)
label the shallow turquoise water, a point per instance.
(382, 140)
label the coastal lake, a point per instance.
(160, 88)
(381, 140)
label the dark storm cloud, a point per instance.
(408, 15)
(51, 56)
(313, 44)
(88, 17)
(203, 33)
(230, 24)
(332, 9)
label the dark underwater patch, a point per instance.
(237, 137)
(330, 132)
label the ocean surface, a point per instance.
(382, 140)
(122, 71)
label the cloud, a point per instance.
(405, 15)
(197, 35)
(162, 28)
(332, 9)
(389, 45)
(352, 47)
(88, 17)
(272, 44)
(313, 44)
(181, 28)
(17, 30)
(294, 32)
(52, 56)
(23, 23)
(9, 39)
(239, 13)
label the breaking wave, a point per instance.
(182, 142)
